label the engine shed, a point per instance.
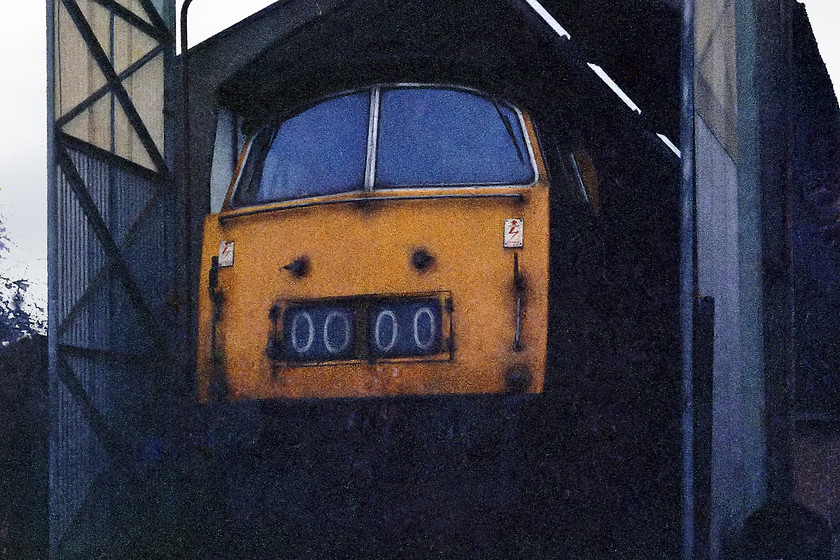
(660, 345)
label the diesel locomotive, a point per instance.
(440, 291)
(387, 241)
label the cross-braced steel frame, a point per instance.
(109, 278)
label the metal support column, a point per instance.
(687, 272)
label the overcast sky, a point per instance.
(23, 194)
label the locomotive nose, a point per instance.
(385, 268)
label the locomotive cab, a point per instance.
(389, 240)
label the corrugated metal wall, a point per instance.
(112, 314)
(728, 269)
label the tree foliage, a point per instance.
(16, 320)
(24, 424)
(24, 502)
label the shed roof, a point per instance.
(500, 46)
(484, 44)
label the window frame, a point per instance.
(368, 188)
(520, 120)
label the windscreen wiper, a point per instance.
(509, 129)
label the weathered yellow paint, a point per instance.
(356, 250)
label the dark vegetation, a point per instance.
(24, 424)
(15, 320)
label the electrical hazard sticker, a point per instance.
(513, 233)
(226, 253)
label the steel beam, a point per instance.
(110, 440)
(101, 92)
(111, 158)
(102, 275)
(688, 275)
(111, 248)
(111, 356)
(133, 19)
(117, 87)
(52, 279)
(158, 21)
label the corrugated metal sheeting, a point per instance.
(729, 482)
(111, 249)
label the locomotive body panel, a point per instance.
(354, 273)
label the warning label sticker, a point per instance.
(513, 233)
(226, 253)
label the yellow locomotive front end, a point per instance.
(386, 241)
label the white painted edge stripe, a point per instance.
(613, 86)
(549, 19)
(670, 144)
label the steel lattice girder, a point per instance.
(87, 200)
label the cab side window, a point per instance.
(317, 152)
